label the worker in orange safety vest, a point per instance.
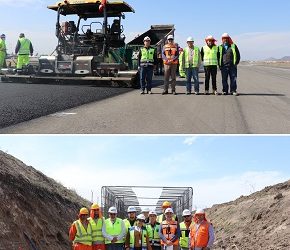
(201, 232)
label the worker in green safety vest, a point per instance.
(2, 50)
(229, 59)
(185, 229)
(153, 231)
(23, 48)
(137, 237)
(114, 231)
(210, 57)
(190, 62)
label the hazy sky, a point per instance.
(218, 168)
(260, 28)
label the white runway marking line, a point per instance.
(62, 114)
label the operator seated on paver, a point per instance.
(137, 236)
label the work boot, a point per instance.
(196, 93)
(224, 93)
(174, 93)
(149, 92)
(215, 92)
(142, 92)
(235, 93)
(206, 92)
(164, 92)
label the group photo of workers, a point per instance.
(144, 231)
(187, 62)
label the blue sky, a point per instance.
(219, 168)
(260, 28)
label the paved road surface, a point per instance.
(262, 107)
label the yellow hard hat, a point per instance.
(166, 204)
(95, 206)
(84, 210)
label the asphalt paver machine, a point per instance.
(88, 46)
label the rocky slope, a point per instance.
(35, 211)
(258, 221)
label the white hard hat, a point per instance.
(168, 210)
(186, 212)
(190, 39)
(225, 35)
(210, 37)
(112, 210)
(199, 211)
(131, 209)
(147, 38)
(170, 37)
(152, 213)
(145, 209)
(141, 217)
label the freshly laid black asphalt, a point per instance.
(23, 102)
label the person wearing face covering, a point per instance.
(229, 59)
(210, 57)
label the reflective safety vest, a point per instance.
(114, 229)
(24, 46)
(233, 47)
(128, 224)
(97, 234)
(2, 46)
(195, 59)
(132, 236)
(83, 236)
(170, 52)
(199, 235)
(169, 230)
(161, 218)
(184, 242)
(153, 234)
(147, 56)
(210, 55)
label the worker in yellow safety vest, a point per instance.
(80, 232)
(145, 211)
(210, 57)
(153, 231)
(185, 229)
(161, 217)
(190, 62)
(114, 231)
(97, 222)
(2, 51)
(137, 237)
(131, 220)
(23, 48)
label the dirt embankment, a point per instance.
(258, 221)
(35, 211)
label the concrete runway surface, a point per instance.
(263, 107)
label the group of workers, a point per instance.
(225, 56)
(23, 49)
(147, 231)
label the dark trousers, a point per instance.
(210, 71)
(146, 75)
(229, 71)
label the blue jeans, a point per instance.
(229, 71)
(192, 73)
(146, 74)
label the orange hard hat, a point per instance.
(84, 211)
(95, 206)
(166, 204)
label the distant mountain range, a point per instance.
(285, 58)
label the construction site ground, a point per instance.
(263, 106)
